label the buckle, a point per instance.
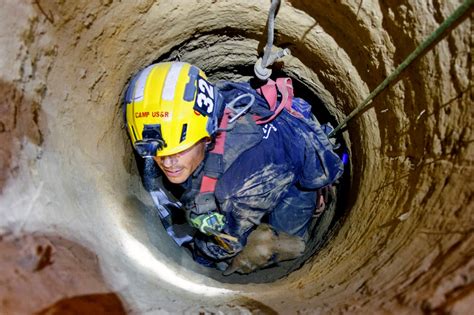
(214, 166)
(148, 148)
(205, 202)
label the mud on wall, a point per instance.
(66, 165)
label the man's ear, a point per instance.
(209, 143)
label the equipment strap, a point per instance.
(208, 184)
(270, 92)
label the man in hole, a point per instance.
(245, 165)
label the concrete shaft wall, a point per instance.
(67, 169)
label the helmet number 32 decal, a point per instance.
(205, 97)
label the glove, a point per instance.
(211, 221)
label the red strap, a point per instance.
(286, 89)
(208, 184)
(269, 91)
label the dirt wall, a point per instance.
(66, 165)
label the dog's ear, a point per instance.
(231, 269)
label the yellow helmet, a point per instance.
(169, 107)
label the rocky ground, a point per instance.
(50, 275)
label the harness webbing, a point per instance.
(208, 184)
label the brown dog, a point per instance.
(264, 247)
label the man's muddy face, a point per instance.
(178, 167)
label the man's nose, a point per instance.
(169, 160)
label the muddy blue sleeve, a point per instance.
(261, 191)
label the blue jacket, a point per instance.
(271, 172)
